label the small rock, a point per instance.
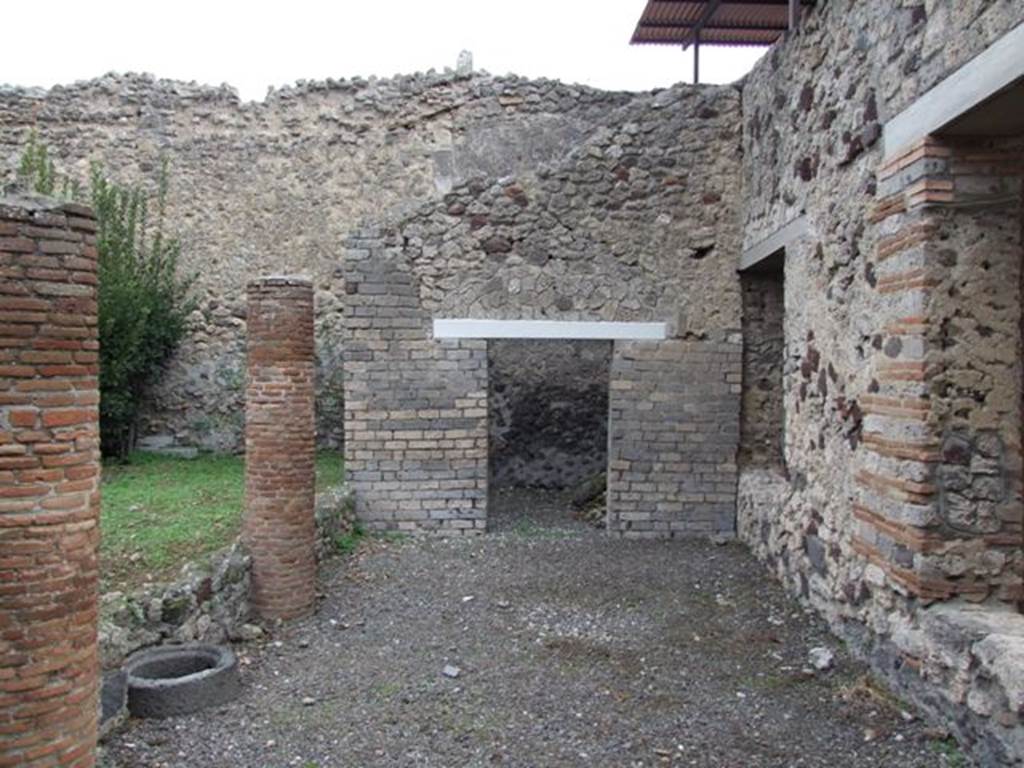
(308, 701)
(250, 632)
(451, 671)
(303, 643)
(821, 658)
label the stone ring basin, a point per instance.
(179, 680)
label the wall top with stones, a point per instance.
(270, 280)
(16, 205)
(115, 94)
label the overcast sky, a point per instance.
(253, 45)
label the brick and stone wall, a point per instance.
(939, 482)
(275, 187)
(901, 374)
(279, 527)
(634, 225)
(49, 484)
(548, 411)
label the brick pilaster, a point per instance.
(49, 484)
(939, 484)
(673, 438)
(279, 525)
(415, 406)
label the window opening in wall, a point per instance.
(548, 433)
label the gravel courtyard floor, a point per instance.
(566, 648)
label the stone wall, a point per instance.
(902, 374)
(548, 411)
(633, 225)
(813, 110)
(49, 484)
(275, 187)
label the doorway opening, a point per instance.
(547, 433)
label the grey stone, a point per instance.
(451, 671)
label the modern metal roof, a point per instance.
(714, 22)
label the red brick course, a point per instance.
(49, 485)
(279, 528)
(916, 373)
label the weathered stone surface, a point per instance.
(275, 187)
(761, 425)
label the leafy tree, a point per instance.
(143, 303)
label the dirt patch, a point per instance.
(572, 648)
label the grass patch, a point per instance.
(346, 543)
(950, 752)
(530, 530)
(159, 512)
(392, 537)
(867, 690)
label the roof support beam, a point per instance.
(794, 14)
(705, 17)
(696, 58)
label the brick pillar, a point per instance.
(49, 484)
(673, 434)
(279, 527)
(939, 484)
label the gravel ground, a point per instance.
(567, 648)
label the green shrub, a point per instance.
(346, 543)
(143, 303)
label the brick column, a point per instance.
(279, 527)
(49, 484)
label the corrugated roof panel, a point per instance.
(741, 22)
